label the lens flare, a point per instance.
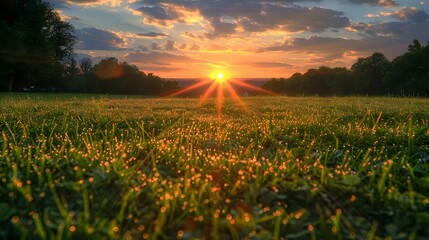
(220, 85)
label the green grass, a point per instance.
(94, 167)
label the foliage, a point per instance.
(374, 75)
(410, 72)
(36, 49)
(92, 167)
(369, 73)
(34, 43)
(114, 77)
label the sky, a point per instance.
(243, 38)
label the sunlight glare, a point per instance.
(220, 84)
(220, 78)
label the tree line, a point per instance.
(406, 75)
(37, 54)
(114, 77)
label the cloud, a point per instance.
(159, 58)
(152, 35)
(330, 48)
(221, 28)
(98, 39)
(147, 68)
(390, 38)
(225, 17)
(155, 46)
(195, 47)
(193, 36)
(64, 3)
(170, 45)
(412, 14)
(414, 21)
(217, 47)
(67, 17)
(160, 61)
(268, 65)
(159, 12)
(386, 3)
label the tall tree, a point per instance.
(85, 65)
(410, 72)
(369, 73)
(34, 44)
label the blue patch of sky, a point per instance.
(415, 3)
(355, 12)
(108, 18)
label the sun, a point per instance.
(220, 78)
(222, 85)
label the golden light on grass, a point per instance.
(220, 85)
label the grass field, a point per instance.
(85, 167)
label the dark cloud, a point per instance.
(142, 48)
(222, 28)
(160, 12)
(386, 3)
(146, 68)
(63, 3)
(225, 16)
(170, 45)
(334, 48)
(298, 19)
(413, 15)
(155, 46)
(98, 39)
(268, 65)
(152, 35)
(414, 26)
(390, 38)
(192, 35)
(158, 58)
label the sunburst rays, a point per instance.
(220, 88)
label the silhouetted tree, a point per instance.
(369, 73)
(323, 81)
(410, 72)
(416, 46)
(114, 77)
(34, 44)
(407, 74)
(85, 65)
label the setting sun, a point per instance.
(220, 78)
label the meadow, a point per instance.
(112, 167)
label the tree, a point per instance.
(416, 46)
(114, 77)
(34, 44)
(369, 73)
(410, 72)
(11, 48)
(324, 81)
(374, 75)
(85, 65)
